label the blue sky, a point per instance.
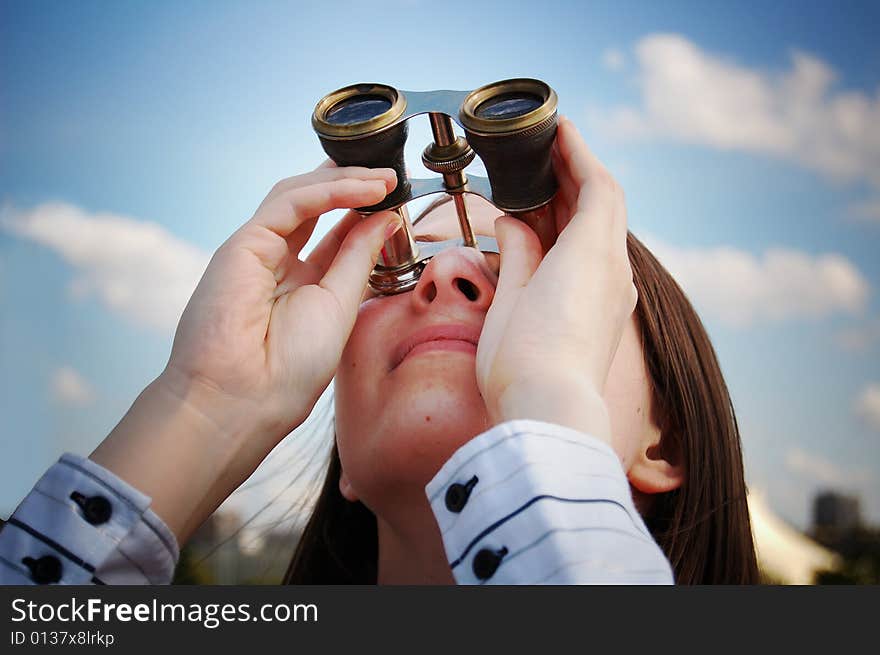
(135, 137)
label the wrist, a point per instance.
(571, 402)
(175, 446)
(229, 421)
(255, 423)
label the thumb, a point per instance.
(520, 253)
(357, 255)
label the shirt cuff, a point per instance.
(81, 524)
(530, 502)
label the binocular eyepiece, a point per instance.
(510, 124)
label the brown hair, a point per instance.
(703, 527)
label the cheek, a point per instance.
(375, 322)
(360, 368)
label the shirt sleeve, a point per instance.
(530, 502)
(83, 525)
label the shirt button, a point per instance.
(95, 509)
(486, 562)
(45, 570)
(457, 495)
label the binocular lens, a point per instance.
(511, 125)
(356, 126)
(508, 105)
(357, 109)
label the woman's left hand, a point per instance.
(554, 325)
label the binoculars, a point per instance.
(510, 124)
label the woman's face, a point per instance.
(402, 410)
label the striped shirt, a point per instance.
(526, 502)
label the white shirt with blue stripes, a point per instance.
(526, 502)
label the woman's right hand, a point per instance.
(257, 344)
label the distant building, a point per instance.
(835, 516)
(839, 525)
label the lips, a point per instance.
(437, 335)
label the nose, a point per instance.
(456, 276)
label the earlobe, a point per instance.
(654, 471)
(346, 489)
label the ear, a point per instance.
(346, 489)
(655, 470)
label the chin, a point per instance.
(413, 422)
(424, 427)
(430, 404)
(438, 391)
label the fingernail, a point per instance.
(392, 227)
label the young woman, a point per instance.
(522, 420)
(664, 384)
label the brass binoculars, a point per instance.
(510, 124)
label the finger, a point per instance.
(327, 173)
(599, 194)
(620, 217)
(575, 152)
(598, 206)
(297, 240)
(323, 253)
(520, 254)
(289, 210)
(327, 163)
(347, 276)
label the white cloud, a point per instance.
(822, 471)
(614, 60)
(691, 95)
(867, 406)
(740, 288)
(136, 268)
(70, 388)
